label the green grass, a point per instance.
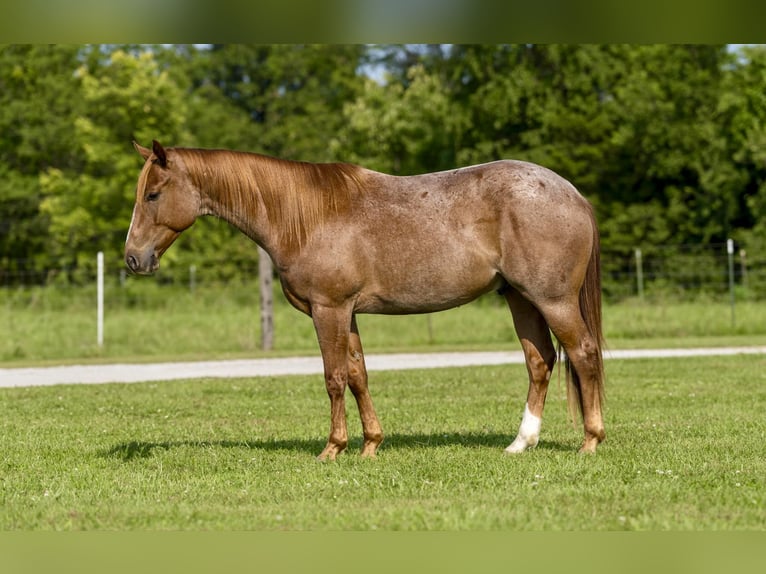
(685, 451)
(149, 322)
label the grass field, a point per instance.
(148, 322)
(686, 450)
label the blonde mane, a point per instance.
(298, 196)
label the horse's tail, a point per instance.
(590, 309)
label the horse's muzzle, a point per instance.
(142, 265)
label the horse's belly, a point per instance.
(425, 290)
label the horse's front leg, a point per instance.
(332, 327)
(357, 380)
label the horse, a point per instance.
(347, 240)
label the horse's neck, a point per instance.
(240, 205)
(276, 203)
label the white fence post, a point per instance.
(100, 298)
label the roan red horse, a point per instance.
(347, 240)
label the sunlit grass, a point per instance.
(684, 451)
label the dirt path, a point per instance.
(132, 373)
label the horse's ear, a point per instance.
(159, 151)
(145, 152)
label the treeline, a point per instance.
(668, 141)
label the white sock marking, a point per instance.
(529, 432)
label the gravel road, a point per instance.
(133, 373)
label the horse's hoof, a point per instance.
(520, 445)
(589, 446)
(329, 453)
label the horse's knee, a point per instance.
(336, 382)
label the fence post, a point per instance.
(640, 273)
(730, 253)
(192, 278)
(100, 298)
(743, 267)
(265, 270)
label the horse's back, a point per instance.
(522, 182)
(491, 204)
(496, 182)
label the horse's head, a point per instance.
(166, 203)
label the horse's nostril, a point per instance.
(132, 262)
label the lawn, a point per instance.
(685, 450)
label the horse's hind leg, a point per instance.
(584, 354)
(357, 381)
(540, 357)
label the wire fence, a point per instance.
(653, 273)
(39, 307)
(683, 272)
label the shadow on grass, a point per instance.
(140, 449)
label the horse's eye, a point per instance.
(153, 196)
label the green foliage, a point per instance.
(402, 130)
(291, 95)
(38, 98)
(666, 140)
(743, 108)
(124, 97)
(665, 108)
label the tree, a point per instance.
(742, 110)
(38, 96)
(666, 140)
(89, 199)
(293, 94)
(667, 149)
(547, 104)
(401, 128)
